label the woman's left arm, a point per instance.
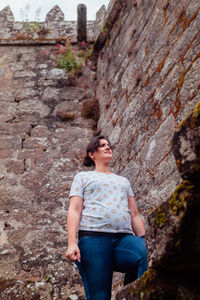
(137, 223)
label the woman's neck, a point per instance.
(102, 168)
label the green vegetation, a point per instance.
(31, 27)
(161, 216)
(177, 200)
(72, 59)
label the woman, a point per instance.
(110, 230)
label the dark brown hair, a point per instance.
(92, 147)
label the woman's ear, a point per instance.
(91, 155)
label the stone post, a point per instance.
(82, 23)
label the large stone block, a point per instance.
(10, 142)
(33, 106)
(16, 167)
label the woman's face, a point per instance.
(103, 153)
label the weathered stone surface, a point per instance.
(33, 106)
(40, 153)
(6, 16)
(10, 142)
(147, 83)
(186, 146)
(53, 29)
(173, 231)
(15, 167)
(55, 15)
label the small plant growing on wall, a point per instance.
(72, 59)
(90, 109)
(31, 27)
(35, 26)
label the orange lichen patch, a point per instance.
(161, 64)
(154, 104)
(146, 50)
(22, 36)
(179, 12)
(165, 7)
(147, 81)
(182, 17)
(177, 105)
(165, 21)
(181, 79)
(151, 174)
(187, 23)
(5, 283)
(196, 57)
(157, 111)
(188, 47)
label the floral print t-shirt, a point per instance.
(105, 201)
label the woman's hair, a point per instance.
(92, 147)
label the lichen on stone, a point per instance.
(196, 115)
(178, 198)
(143, 287)
(161, 216)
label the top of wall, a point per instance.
(53, 29)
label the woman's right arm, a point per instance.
(73, 218)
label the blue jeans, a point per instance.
(101, 255)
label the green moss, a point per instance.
(103, 28)
(194, 117)
(48, 278)
(178, 243)
(178, 163)
(144, 284)
(197, 167)
(184, 122)
(177, 200)
(146, 278)
(161, 216)
(196, 112)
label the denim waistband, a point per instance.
(97, 233)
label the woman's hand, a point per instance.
(73, 253)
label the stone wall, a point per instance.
(174, 227)
(54, 28)
(148, 81)
(42, 140)
(43, 137)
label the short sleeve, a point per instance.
(129, 190)
(77, 186)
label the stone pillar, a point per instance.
(82, 23)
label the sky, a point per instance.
(31, 10)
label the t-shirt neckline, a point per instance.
(103, 173)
